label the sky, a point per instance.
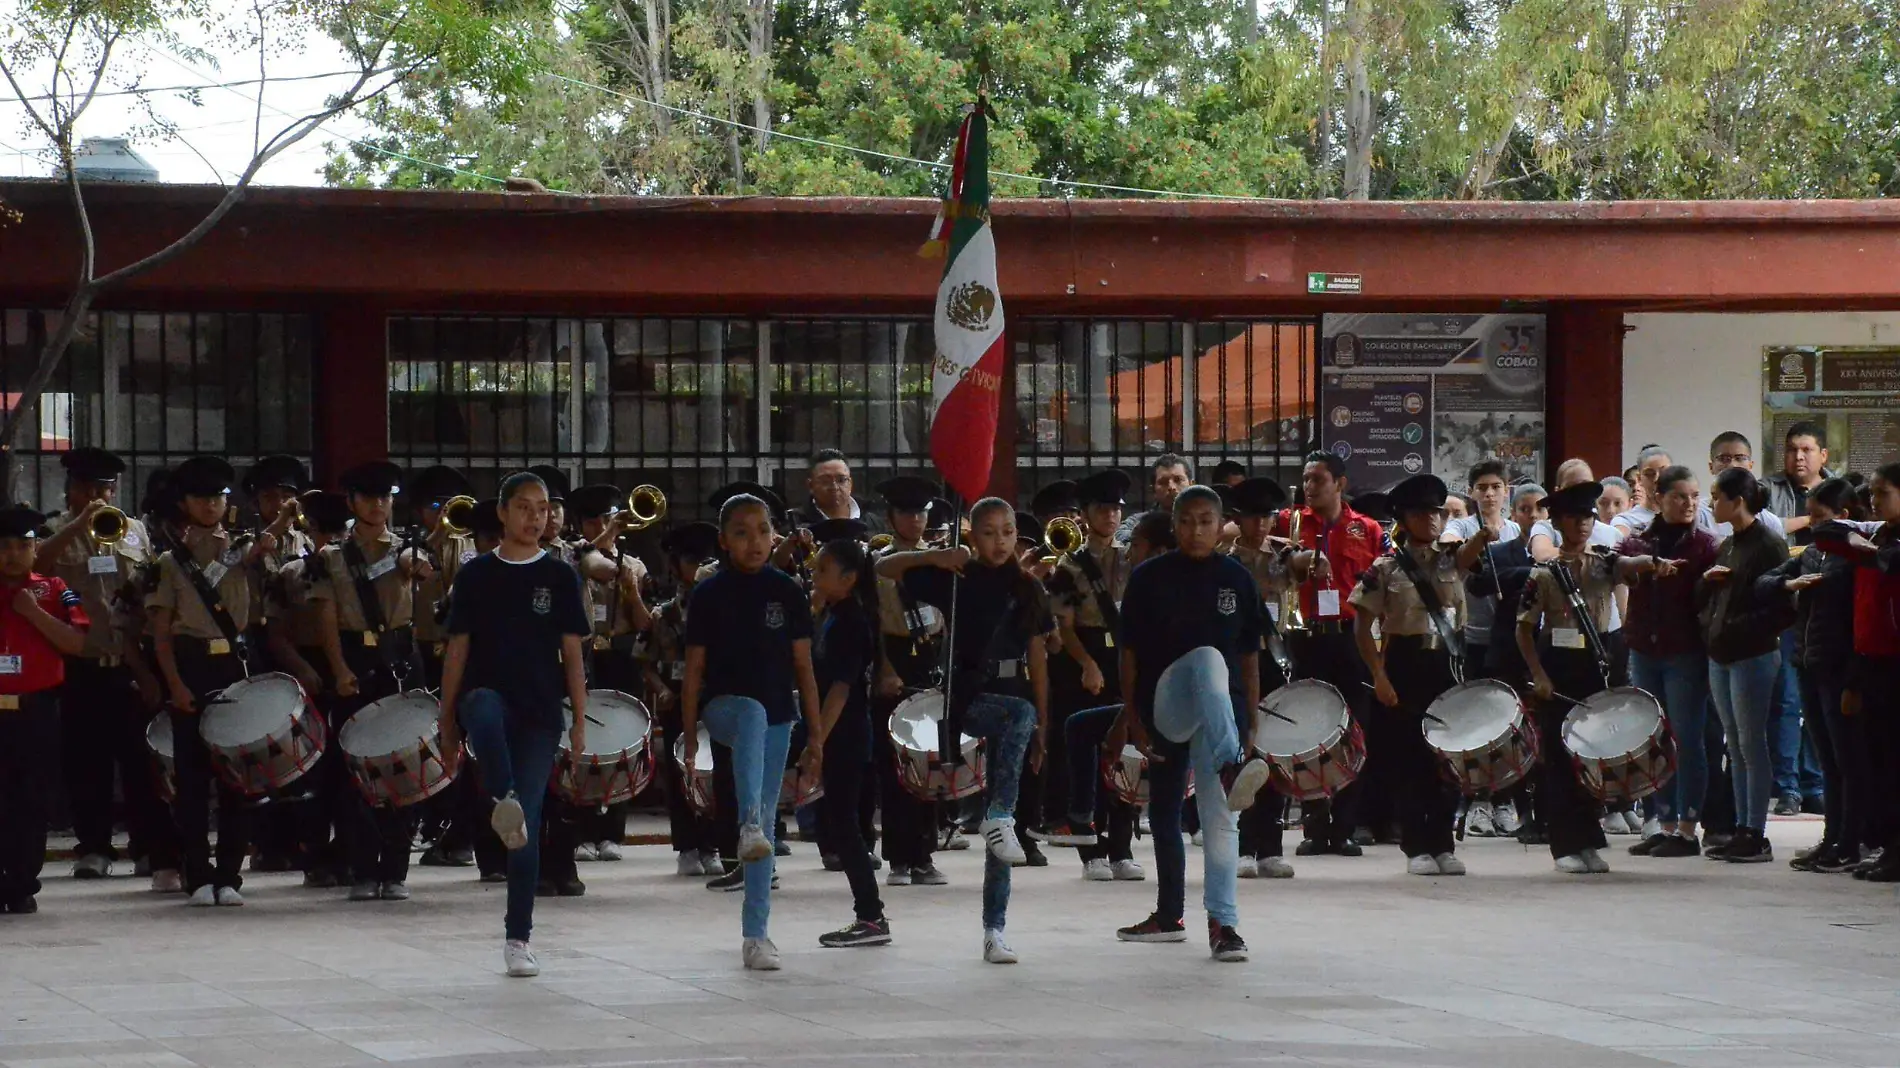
(218, 127)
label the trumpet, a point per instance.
(646, 505)
(457, 518)
(1063, 535)
(881, 542)
(1291, 618)
(109, 525)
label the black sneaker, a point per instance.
(1675, 845)
(1715, 844)
(1350, 849)
(1225, 943)
(1363, 836)
(1788, 805)
(1803, 859)
(1835, 861)
(1033, 856)
(733, 880)
(1647, 847)
(782, 848)
(1067, 833)
(1749, 847)
(570, 888)
(831, 862)
(22, 906)
(1153, 929)
(1814, 806)
(1313, 848)
(860, 933)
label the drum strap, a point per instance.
(1580, 609)
(208, 594)
(372, 607)
(1428, 594)
(968, 680)
(1104, 600)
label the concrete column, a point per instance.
(1583, 393)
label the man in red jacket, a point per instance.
(41, 623)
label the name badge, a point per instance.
(1566, 638)
(929, 616)
(1006, 669)
(9, 665)
(102, 565)
(381, 567)
(600, 613)
(1108, 640)
(1328, 602)
(369, 639)
(1273, 611)
(214, 573)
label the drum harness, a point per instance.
(213, 603)
(372, 607)
(1428, 595)
(1586, 622)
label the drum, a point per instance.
(1486, 738)
(913, 728)
(799, 790)
(263, 733)
(699, 777)
(1128, 776)
(1621, 744)
(618, 761)
(1310, 742)
(158, 738)
(393, 748)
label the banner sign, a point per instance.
(1853, 390)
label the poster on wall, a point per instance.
(1405, 394)
(1854, 390)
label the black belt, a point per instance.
(1430, 643)
(1326, 626)
(368, 639)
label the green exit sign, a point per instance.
(1325, 282)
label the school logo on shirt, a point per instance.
(543, 600)
(1228, 601)
(774, 616)
(1355, 529)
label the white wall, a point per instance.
(1688, 376)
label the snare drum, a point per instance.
(698, 778)
(158, 738)
(1620, 742)
(1486, 737)
(1128, 776)
(393, 748)
(799, 789)
(618, 761)
(263, 733)
(914, 727)
(1312, 746)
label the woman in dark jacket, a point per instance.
(1742, 633)
(1821, 588)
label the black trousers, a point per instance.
(28, 735)
(102, 740)
(1334, 658)
(205, 675)
(910, 823)
(1571, 816)
(1262, 833)
(1426, 800)
(691, 832)
(1114, 818)
(376, 838)
(1877, 680)
(847, 755)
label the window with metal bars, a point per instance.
(158, 388)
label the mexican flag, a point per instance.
(966, 378)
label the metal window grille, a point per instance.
(158, 388)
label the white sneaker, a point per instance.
(898, 876)
(1596, 863)
(1128, 871)
(586, 853)
(1572, 865)
(204, 897)
(753, 844)
(1000, 835)
(1504, 818)
(608, 850)
(759, 954)
(1423, 864)
(688, 863)
(995, 950)
(1448, 864)
(956, 843)
(1248, 868)
(92, 866)
(1098, 871)
(710, 864)
(1194, 839)
(519, 957)
(1651, 828)
(1275, 868)
(168, 881)
(1479, 821)
(509, 823)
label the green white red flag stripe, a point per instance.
(966, 377)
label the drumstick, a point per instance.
(1278, 716)
(589, 717)
(1427, 715)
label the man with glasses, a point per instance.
(829, 482)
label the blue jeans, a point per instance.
(1744, 696)
(1797, 773)
(1681, 683)
(759, 750)
(1195, 711)
(1006, 724)
(514, 754)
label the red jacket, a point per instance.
(1351, 544)
(1876, 590)
(40, 665)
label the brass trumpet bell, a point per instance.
(458, 516)
(646, 505)
(881, 542)
(1063, 535)
(109, 526)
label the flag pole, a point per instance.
(950, 731)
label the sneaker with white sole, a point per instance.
(1449, 864)
(1423, 864)
(753, 844)
(997, 951)
(1572, 865)
(395, 891)
(1504, 818)
(366, 892)
(1242, 782)
(1479, 822)
(168, 881)
(1153, 929)
(1596, 863)
(1195, 839)
(204, 897)
(92, 866)
(586, 853)
(759, 955)
(1275, 868)
(228, 897)
(898, 876)
(519, 958)
(1225, 943)
(710, 864)
(1247, 868)
(999, 833)
(509, 822)
(928, 875)
(956, 843)
(1651, 828)
(608, 850)
(1128, 871)
(1097, 870)
(860, 933)
(688, 863)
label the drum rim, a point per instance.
(351, 729)
(1430, 727)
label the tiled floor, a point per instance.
(1664, 962)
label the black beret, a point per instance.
(276, 472)
(1420, 493)
(486, 518)
(438, 482)
(694, 541)
(907, 493)
(1056, 497)
(88, 464)
(1256, 497)
(840, 530)
(203, 476)
(1028, 529)
(378, 478)
(556, 480)
(1580, 499)
(596, 500)
(1104, 487)
(328, 512)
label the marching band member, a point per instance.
(664, 662)
(426, 492)
(1418, 595)
(909, 634)
(364, 590)
(1192, 625)
(554, 536)
(515, 631)
(199, 606)
(43, 626)
(748, 652)
(1570, 660)
(1086, 592)
(1255, 502)
(1001, 618)
(610, 592)
(272, 485)
(101, 719)
(811, 817)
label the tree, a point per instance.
(71, 50)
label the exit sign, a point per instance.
(1324, 282)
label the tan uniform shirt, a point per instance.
(606, 602)
(290, 604)
(1071, 592)
(1544, 598)
(1385, 591)
(222, 559)
(106, 579)
(432, 592)
(890, 605)
(335, 583)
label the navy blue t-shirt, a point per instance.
(842, 652)
(515, 615)
(1175, 604)
(982, 596)
(747, 624)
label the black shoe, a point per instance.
(1067, 833)
(782, 848)
(271, 863)
(1675, 845)
(877, 863)
(1814, 806)
(1716, 844)
(1363, 836)
(732, 880)
(1349, 849)
(1803, 859)
(1034, 857)
(23, 906)
(1788, 805)
(438, 857)
(1836, 860)
(1310, 848)
(545, 888)
(860, 933)
(1153, 929)
(494, 877)
(1647, 847)
(831, 862)
(1531, 836)
(570, 888)
(1749, 847)
(1879, 873)
(1225, 943)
